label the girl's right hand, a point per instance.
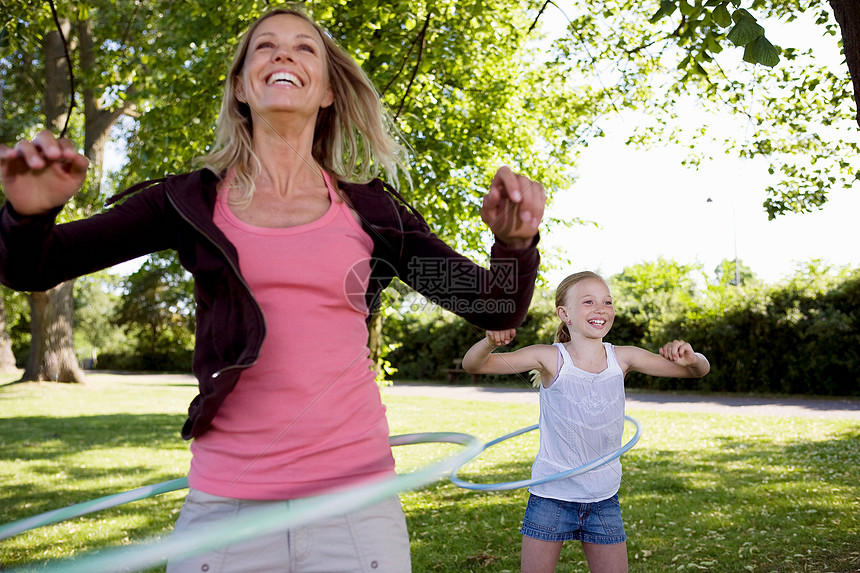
(498, 338)
(40, 175)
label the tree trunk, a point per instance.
(847, 14)
(52, 352)
(97, 121)
(374, 342)
(52, 349)
(56, 77)
(7, 359)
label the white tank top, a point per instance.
(581, 420)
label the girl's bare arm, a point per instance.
(676, 359)
(480, 359)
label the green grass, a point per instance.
(701, 492)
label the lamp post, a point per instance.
(735, 239)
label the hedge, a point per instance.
(787, 339)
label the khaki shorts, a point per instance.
(370, 540)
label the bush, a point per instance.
(800, 337)
(796, 340)
(178, 360)
(424, 347)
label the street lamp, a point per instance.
(735, 239)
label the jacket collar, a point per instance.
(194, 195)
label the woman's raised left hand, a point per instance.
(513, 208)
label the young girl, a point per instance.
(581, 419)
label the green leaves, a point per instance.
(696, 19)
(747, 32)
(761, 51)
(473, 90)
(667, 7)
(721, 15)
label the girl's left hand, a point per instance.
(679, 352)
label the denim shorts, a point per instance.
(556, 520)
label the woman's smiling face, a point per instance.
(285, 68)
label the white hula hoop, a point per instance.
(501, 486)
(274, 518)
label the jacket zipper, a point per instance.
(238, 275)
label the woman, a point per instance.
(276, 237)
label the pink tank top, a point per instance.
(307, 416)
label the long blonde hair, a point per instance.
(353, 136)
(562, 334)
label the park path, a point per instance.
(803, 407)
(748, 406)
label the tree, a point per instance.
(677, 55)
(97, 298)
(847, 14)
(7, 358)
(75, 66)
(653, 293)
(465, 81)
(448, 71)
(733, 272)
(457, 75)
(157, 312)
(16, 315)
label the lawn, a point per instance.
(700, 492)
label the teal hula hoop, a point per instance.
(265, 520)
(501, 486)
(79, 509)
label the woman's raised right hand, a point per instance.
(40, 175)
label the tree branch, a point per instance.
(402, 64)
(539, 14)
(127, 32)
(69, 63)
(422, 35)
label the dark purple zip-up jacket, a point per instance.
(176, 213)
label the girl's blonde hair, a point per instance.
(353, 136)
(562, 334)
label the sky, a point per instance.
(647, 204)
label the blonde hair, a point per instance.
(562, 334)
(352, 138)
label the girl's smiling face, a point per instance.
(285, 68)
(588, 309)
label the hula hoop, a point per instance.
(269, 519)
(83, 508)
(501, 486)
